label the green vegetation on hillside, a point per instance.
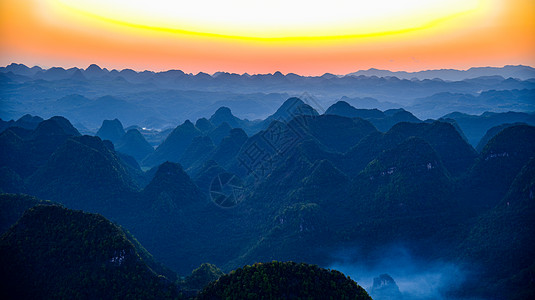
(56, 253)
(283, 280)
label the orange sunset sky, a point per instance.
(304, 37)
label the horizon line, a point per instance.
(273, 73)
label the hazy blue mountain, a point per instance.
(23, 151)
(497, 165)
(383, 121)
(392, 117)
(198, 151)
(434, 106)
(110, 107)
(134, 144)
(153, 136)
(344, 109)
(27, 122)
(55, 126)
(288, 110)
(174, 145)
(453, 123)
(54, 73)
(78, 76)
(224, 115)
(384, 287)
(475, 127)
(522, 72)
(207, 173)
(111, 130)
(70, 102)
(453, 151)
(94, 71)
(369, 103)
(492, 132)
(220, 132)
(204, 125)
(229, 146)
(338, 134)
(157, 100)
(171, 189)
(86, 164)
(20, 69)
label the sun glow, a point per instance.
(305, 37)
(273, 19)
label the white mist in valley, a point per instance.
(415, 277)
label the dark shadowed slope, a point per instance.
(174, 145)
(454, 152)
(492, 132)
(83, 173)
(12, 206)
(23, 151)
(475, 127)
(502, 243)
(54, 252)
(497, 165)
(134, 144)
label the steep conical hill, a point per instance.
(171, 189)
(134, 144)
(83, 173)
(174, 145)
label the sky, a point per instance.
(303, 37)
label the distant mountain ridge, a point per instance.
(94, 71)
(520, 72)
(157, 100)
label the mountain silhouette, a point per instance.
(174, 145)
(218, 133)
(171, 189)
(453, 151)
(204, 125)
(284, 280)
(344, 109)
(223, 114)
(53, 252)
(497, 165)
(383, 121)
(199, 149)
(27, 122)
(229, 147)
(111, 130)
(134, 144)
(24, 151)
(492, 132)
(475, 127)
(291, 108)
(503, 242)
(86, 164)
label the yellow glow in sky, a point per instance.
(273, 18)
(304, 37)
